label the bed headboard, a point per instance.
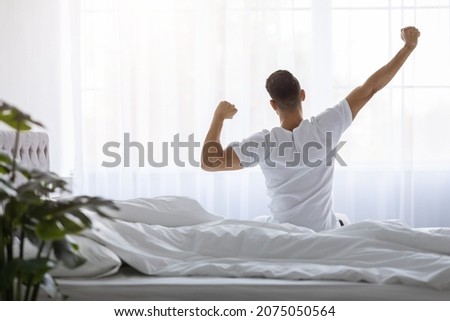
(33, 148)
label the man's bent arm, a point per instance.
(214, 157)
(362, 94)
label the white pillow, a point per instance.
(170, 211)
(100, 261)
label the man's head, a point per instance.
(285, 91)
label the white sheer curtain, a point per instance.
(155, 69)
(94, 70)
(398, 148)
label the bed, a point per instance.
(171, 248)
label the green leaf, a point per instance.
(7, 187)
(30, 234)
(29, 198)
(50, 230)
(41, 186)
(74, 246)
(5, 159)
(3, 195)
(77, 213)
(13, 211)
(34, 269)
(12, 119)
(55, 209)
(8, 272)
(40, 210)
(95, 204)
(5, 169)
(64, 252)
(16, 119)
(47, 178)
(6, 166)
(70, 226)
(24, 171)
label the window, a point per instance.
(155, 69)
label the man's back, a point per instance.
(298, 173)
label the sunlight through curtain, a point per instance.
(157, 69)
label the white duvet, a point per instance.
(206, 245)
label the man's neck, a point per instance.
(290, 119)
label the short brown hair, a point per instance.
(284, 88)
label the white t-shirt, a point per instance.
(298, 167)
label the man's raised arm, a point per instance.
(362, 94)
(214, 157)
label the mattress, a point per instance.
(129, 284)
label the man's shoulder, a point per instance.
(341, 109)
(264, 132)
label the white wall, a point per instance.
(29, 62)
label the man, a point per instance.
(296, 158)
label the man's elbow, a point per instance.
(203, 164)
(209, 166)
(370, 88)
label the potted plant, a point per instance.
(28, 213)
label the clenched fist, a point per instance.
(410, 36)
(225, 110)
